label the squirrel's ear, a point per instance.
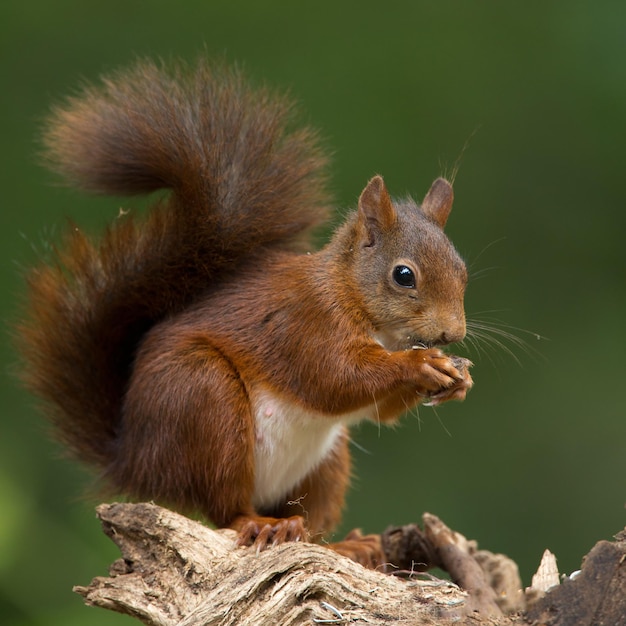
(376, 211)
(438, 201)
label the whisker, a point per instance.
(475, 345)
(475, 260)
(377, 416)
(498, 325)
(472, 343)
(359, 447)
(481, 273)
(489, 335)
(445, 428)
(493, 343)
(415, 412)
(488, 312)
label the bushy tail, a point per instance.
(240, 180)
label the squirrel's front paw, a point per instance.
(442, 377)
(458, 390)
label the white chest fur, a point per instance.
(290, 442)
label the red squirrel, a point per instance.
(202, 356)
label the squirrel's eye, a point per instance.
(404, 276)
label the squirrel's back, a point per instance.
(240, 180)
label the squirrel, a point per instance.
(202, 356)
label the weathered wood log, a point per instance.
(175, 571)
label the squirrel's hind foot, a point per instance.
(262, 532)
(366, 550)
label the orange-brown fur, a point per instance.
(159, 347)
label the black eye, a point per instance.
(404, 276)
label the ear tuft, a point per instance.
(438, 201)
(376, 211)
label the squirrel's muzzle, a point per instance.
(453, 332)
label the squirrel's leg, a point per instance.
(393, 379)
(187, 436)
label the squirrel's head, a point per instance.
(412, 278)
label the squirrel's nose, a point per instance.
(455, 332)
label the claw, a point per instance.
(262, 532)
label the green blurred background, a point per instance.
(535, 457)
